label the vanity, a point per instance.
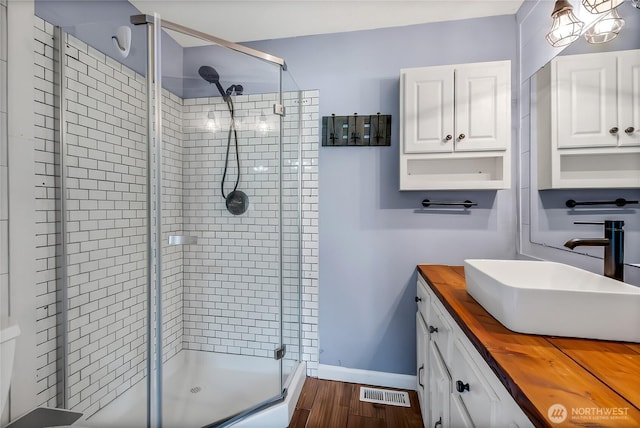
(473, 371)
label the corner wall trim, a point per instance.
(367, 377)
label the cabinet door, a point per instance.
(586, 107)
(440, 330)
(439, 389)
(472, 388)
(629, 97)
(459, 415)
(483, 107)
(427, 110)
(422, 369)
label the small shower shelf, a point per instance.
(182, 240)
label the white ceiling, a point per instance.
(248, 20)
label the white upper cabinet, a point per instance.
(428, 106)
(587, 121)
(629, 98)
(586, 101)
(598, 99)
(482, 114)
(455, 126)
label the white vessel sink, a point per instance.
(539, 297)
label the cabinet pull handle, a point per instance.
(418, 299)
(614, 130)
(448, 137)
(433, 329)
(461, 137)
(461, 386)
(420, 370)
(438, 423)
(629, 130)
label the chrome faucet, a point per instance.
(613, 243)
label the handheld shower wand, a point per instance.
(236, 201)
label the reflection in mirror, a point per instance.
(580, 149)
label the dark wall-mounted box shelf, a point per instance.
(356, 130)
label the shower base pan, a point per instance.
(204, 387)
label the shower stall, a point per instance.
(171, 197)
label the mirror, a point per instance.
(545, 209)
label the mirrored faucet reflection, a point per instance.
(613, 243)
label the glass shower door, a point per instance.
(221, 246)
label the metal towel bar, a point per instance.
(467, 204)
(620, 202)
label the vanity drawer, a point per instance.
(470, 386)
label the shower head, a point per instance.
(211, 75)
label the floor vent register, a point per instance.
(384, 396)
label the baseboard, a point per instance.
(367, 377)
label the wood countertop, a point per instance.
(597, 381)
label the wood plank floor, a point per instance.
(331, 404)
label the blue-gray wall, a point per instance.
(371, 236)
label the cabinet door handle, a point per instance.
(461, 137)
(461, 386)
(420, 370)
(433, 329)
(448, 137)
(614, 130)
(418, 299)
(438, 423)
(629, 130)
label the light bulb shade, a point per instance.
(605, 29)
(566, 27)
(601, 6)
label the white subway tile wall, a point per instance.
(221, 294)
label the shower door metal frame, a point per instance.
(154, 32)
(60, 53)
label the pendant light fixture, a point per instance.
(605, 29)
(566, 27)
(601, 6)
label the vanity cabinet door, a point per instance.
(427, 109)
(440, 330)
(439, 389)
(586, 104)
(629, 97)
(422, 369)
(422, 298)
(459, 415)
(470, 386)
